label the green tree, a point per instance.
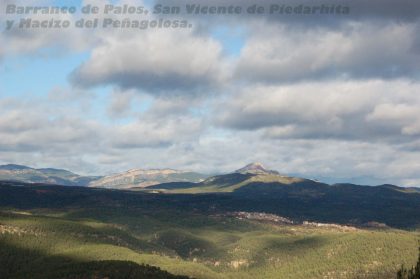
(411, 273)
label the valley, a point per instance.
(252, 223)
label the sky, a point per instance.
(333, 97)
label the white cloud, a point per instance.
(367, 110)
(328, 100)
(406, 116)
(63, 133)
(20, 41)
(156, 133)
(158, 60)
(31, 126)
(357, 51)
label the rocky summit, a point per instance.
(256, 168)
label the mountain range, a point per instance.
(250, 174)
(210, 227)
(199, 226)
(252, 188)
(26, 174)
(166, 180)
(131, 178)
(144, 178)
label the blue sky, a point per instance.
(40, 72)
(48, 68)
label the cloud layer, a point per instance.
(350, 110)
(154, 61)
(331, 97)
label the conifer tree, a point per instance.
(412, 273)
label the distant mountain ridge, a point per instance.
(27, 174)
(13, 167)
(132, 178)
(254, 177)
(251, 174)
(142, 178)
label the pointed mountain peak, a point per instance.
(255, 168)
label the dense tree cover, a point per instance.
(42, 242)
(60, 232)
(111, 270)
(306, 200)
(21, 263)
(410, 273)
